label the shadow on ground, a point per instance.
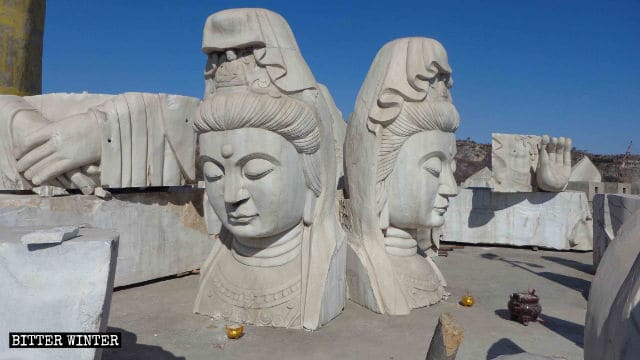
(567, 329)
(574, 283)
(503, 346)
(571, 282)
(132, 350)
(585, 268)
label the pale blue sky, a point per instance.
(567, 68)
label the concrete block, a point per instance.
(610, 212)
(549, 220)
(161, 233)
(62, 287)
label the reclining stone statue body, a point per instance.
(88, 140)
(268, 158)
(399, 163)
(526, 163)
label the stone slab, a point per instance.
(54, 235)
(161, 233)
(62, 287)
(559, 221)
(610, 212)
(584, 170)
(480, 179)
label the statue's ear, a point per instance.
(384, 216)
(309, 207)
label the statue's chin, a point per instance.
(436, 219)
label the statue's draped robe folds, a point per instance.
(146, 139)
(307, 291)
(400, 74)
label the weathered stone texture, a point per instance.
(610, 212)
(162, 233)
(551, 220)
(21, 33)
(55, 288)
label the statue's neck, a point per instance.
(269, 251)
(400, 242)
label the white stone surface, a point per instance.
(527, 356)
(612, 328)
(161, 233)
(584, 170)
(550, 220)
(480, 179)
(90, 140)
(610, 212)
(526, 163)
(55, 288)
(50, 235)
(268, 149)
(398, 153)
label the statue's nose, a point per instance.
(448, 186)
(234, 192)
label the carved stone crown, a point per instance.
(238, 68)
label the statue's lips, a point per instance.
(440, 211)
(240, 218)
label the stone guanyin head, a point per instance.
(399, 164)
(268, 160)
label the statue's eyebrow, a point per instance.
(437, 153)
(258, 155)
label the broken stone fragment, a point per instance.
(49, 191)
(50, 236)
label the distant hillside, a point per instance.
(473, 156)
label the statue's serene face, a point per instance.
(422, 180)
(255, 181)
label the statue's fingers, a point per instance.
(34, 156)
(38, 137)
(543, 155)
(568, 146)
(37, 167)
(55, 182)
(81, 181)
(551, 149)
(560, 150)
(53, 170)
(66, 183)
(91, 169)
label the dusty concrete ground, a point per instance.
(157, 322)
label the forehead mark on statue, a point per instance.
(226, 150)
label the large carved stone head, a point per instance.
(399, 164)
(267, 154)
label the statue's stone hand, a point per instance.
(554, 165)
(25, 123)
(59, 147)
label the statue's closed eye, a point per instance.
(212, 172)
(433, 166)
(256, 169)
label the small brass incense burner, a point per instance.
(467, 300)
(234, 331)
